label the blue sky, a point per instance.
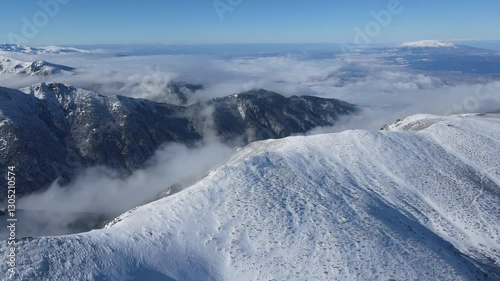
(252, 21)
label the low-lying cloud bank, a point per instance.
(365, 81)
(99, 193)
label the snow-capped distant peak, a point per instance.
(428, 44)
(56, 49)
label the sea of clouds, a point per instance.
(384, 92)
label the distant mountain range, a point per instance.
(50, 130)
(39, 50)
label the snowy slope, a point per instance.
(418, 202)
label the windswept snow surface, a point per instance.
(418, 202)
(427, 44)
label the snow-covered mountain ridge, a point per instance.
(43, 122)
(417, 202)
(35, 68)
